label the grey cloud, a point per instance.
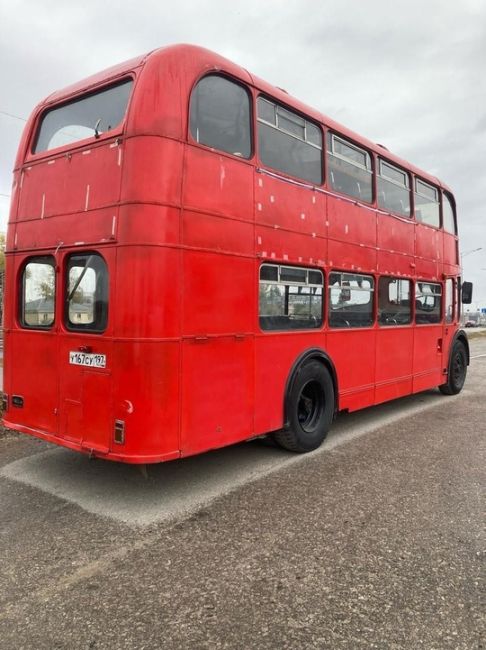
(407, 74)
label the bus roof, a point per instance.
(204, 61)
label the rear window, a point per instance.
(89, 116)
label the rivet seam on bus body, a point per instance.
(272, 199)
(113, 225)
(222, 176)
(78, 243)
(15, 239)
(264, 253)
(260, 182)
(313, 199)
(85, 153)
(87, 198)
(300, 259)
(314, 235)
(273, 256)
(43, 206)
(259, 207)
(302, 215)
(346, 229)
(327, 224)
(259, 241)
(285, 256)
(51, 162)
(119, 156)
(275, 226)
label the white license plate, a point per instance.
(89, 360)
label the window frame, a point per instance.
(89, 328)
(278, 282)
(48, 260)
(106, 135)
(307, 121)
(368, 167)
(447, 196)
(406, 186)
(248, 90)
(372, 302)
(410, 311)
(424, 196)
(441, 301)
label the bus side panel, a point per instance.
(294, 208)
(146, 398)
(86, 179)
(427, 357)
(152, 171)
(396, 236)
(353, 354)
(217, 393)
(428, 251)
(217, 184)
(217, 363)
(450, 249)
(30, 354)
(275, 354)
(88, 227)
(148, 292)
(351, 224)
(394, 359)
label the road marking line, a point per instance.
(478, 356)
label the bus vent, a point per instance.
(119, 434)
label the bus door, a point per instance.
(86, 352)
(450, 318)
(428, 336)
(32, 377)
(394, 339)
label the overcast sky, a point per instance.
(408, 74)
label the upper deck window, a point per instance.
(448, 219)
(393, 189)
(288, 142)
(88, 116)
(349, 168)
(427, 203)
(220, 115)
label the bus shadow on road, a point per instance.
(174, 490)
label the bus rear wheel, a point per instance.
(457, 370)
(310, 409)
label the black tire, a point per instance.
(310, 409)
(457, 371)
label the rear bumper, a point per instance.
(118, 456)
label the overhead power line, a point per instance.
(7, 195)
(15, 117)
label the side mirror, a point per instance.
(466, 293)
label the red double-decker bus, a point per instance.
(195, 258)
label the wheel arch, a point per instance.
(313, 354)
(460, 335)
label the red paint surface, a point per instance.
(183, 230)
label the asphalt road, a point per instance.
(374, 541)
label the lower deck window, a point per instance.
(87, 293)
(290, 298)
(428, 297)
(350, 300)
(38, 293)
(394, 307)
